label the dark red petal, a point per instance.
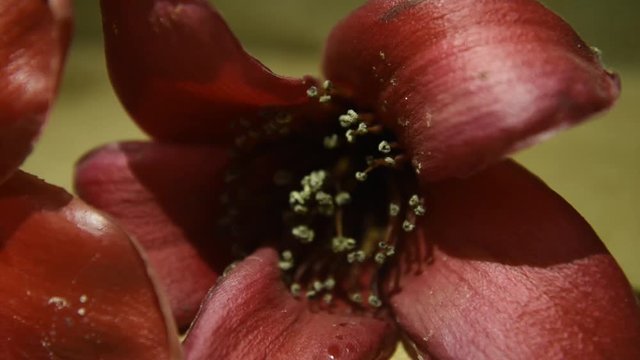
(250, 314)
(166, 197)
(515, 271)
(464, 82)
(35, 36)
(73, 285)
(182, 74)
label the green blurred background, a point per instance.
(596, 166)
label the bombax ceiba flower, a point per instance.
(72, 284)
(369, 205)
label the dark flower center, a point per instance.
(337, 201)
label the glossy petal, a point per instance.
(464, 82)
(166, 197)
(35, 36)
(73, 285)
(516, 273)
(251, 315)
(182, 74)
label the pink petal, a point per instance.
(34, 40)
(250, 314)
(516, 272)
(166, 197)
(183, 75)
(73, 285)
(464, 82)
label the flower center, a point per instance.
(337, 206)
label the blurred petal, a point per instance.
(464, 82)
(183, 75)
(73, 285)
(166, 197)
(251, 315)
(35, 36)
(515, 271)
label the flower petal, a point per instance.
(464, 82)
(515, 271)
(166, 197)
(252, 315)
(35, 37)
(182, 74)
(73, 285)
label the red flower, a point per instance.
(72, 284)
(343, 191)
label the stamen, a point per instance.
(343, 198)
(324, 99)
(327, 298)
(295, 289)
(356, 297)
(394, 209)
(384, 147)
(331, 141)
(408, 226)
(361, 175)
(286, 262)
(374, 301)
(312, 92)
(356, 256)
(341, 244)
(329, 283)
(303, 233)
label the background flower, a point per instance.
(72, 284)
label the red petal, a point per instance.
(166, 196)
(515, 271)
(464, 82)
(182, 74)
(73, 286)
(250, 314)
(34, 40)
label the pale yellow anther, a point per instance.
(331, 141)
(391, 250)
(323, 198)
(327, 298)
(414, 201)
(394, 209)
(380, 258)
(361, 176)
(329, 283)
(327, 85)
(362, 129)
(356, 297)
(324, 99)
(389, 161)
(318, 285)
(303, 233)
(341, 244)
(374, 301)
(419, 210)
(351, 136)
(312, 92)
(343, 198)
(408, 226)
(384, 147)
(295, 289)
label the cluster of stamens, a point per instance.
(345, 221)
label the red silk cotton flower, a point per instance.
(72, 284)
(371, 206)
